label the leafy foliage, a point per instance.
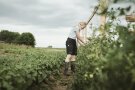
(22, 66)
(103, 7)
(8, 37)
(26, 39)
(107, 62)
(16, 38)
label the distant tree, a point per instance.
(26, 39)
(4, 35)
(13, 36)
(50, 46)
(8, 37)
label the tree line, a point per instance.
(26, 38)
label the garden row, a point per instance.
(22, 66)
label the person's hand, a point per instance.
(86, 41)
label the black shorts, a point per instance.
(71, 46)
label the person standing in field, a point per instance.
(71, 46)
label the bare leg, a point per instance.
(68, 58)
(73, 58)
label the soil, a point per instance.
(55, 83)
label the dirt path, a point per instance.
(64, 83)
(55, 83)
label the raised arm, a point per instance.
(79, 38)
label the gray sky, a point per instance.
(48, 20)
(45, 13)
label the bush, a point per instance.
(8, 37)
(26, 39)
(16, 38)
(107, 63)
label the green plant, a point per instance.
(107, 62)
(20, 66)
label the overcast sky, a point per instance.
(49, 21)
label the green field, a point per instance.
(21, 66)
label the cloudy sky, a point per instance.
(49, 21)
